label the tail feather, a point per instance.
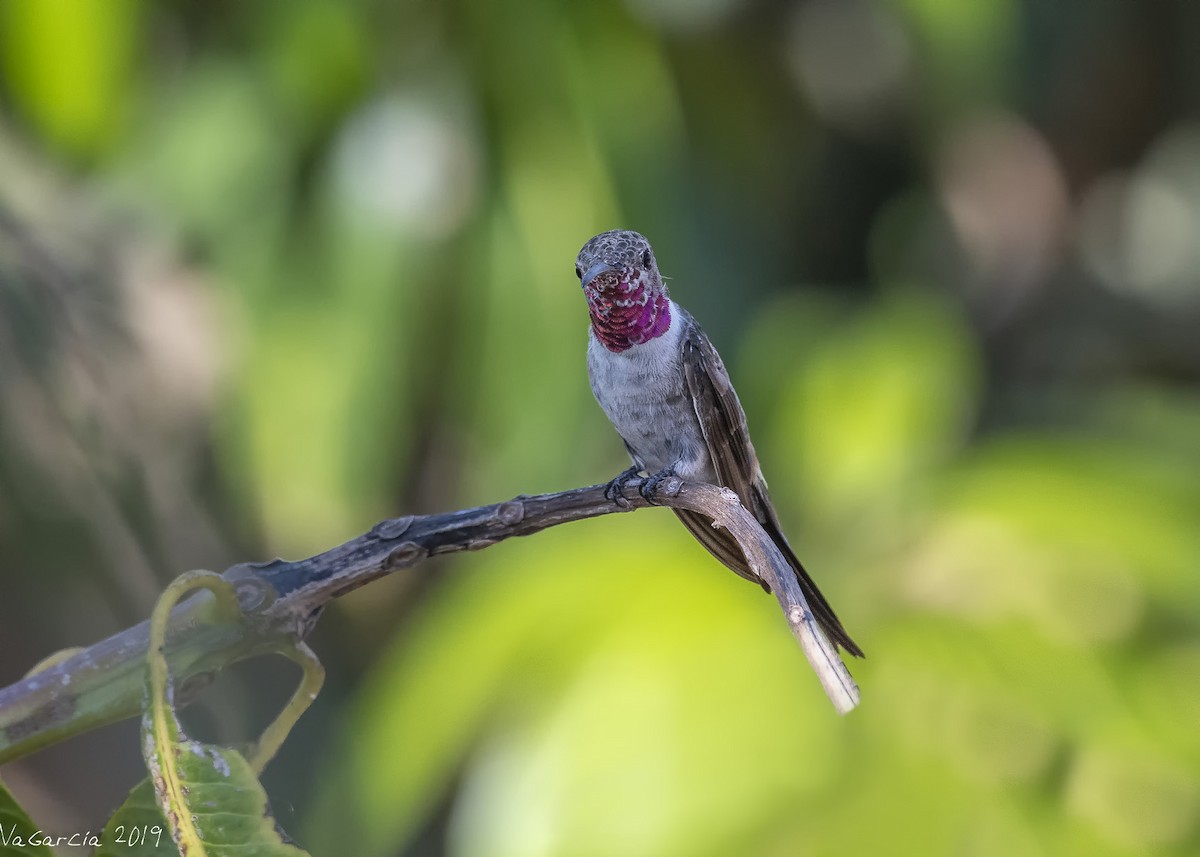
(726, 550)
(820, 607)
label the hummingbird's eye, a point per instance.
(646, 260)
(579, 272)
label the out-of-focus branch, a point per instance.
(283, 600)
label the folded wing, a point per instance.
(723, 423)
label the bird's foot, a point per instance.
(649, 486)
(613, 491)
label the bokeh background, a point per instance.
(273, 271)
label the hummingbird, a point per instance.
(664, 388)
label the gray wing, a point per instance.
(723, 423)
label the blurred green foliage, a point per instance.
(271, 272)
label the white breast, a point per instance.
(643, 393)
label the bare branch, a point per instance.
(283, 600)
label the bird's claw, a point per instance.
(613, 492)
(649, 486)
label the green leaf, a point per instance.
(67, 65)
(226, 804)
(881, 402)
(137, 828)
(209, 796)
(17, 829)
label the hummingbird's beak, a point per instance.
(599, 270)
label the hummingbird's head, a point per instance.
(626, 297)
(618, 261)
